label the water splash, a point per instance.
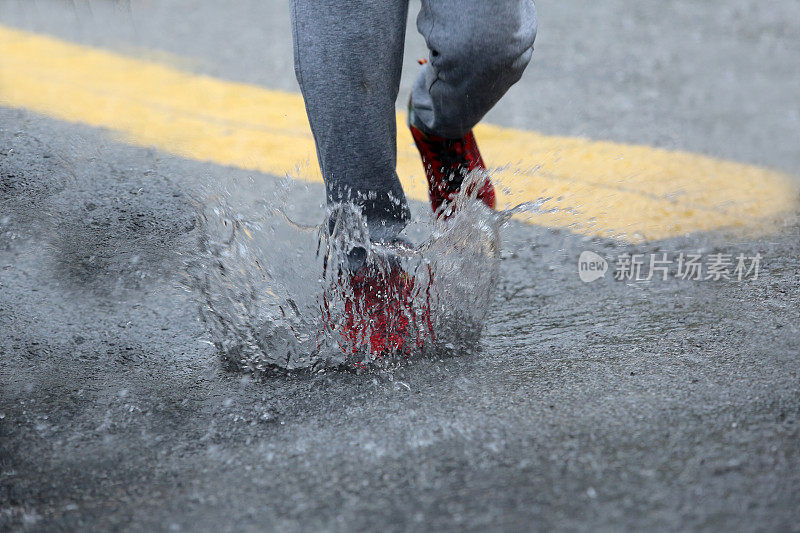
(272, 293)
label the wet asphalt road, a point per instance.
(670, 405)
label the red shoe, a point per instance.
(378, 315)
(384, 314)
(447, 162)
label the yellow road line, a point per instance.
(629, 192)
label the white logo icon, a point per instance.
(591, 266)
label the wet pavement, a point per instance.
(671, 404)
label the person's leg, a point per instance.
(348, 58)
(478, 50)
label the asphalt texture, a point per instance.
(668, 405)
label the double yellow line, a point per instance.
(633, 193)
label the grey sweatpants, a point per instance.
(348, 57)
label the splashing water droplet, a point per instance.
(277, 294)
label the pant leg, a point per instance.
(348, 59)
(478, 50)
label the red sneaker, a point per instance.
(447, 162)
(385, 314)
(377, 316)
